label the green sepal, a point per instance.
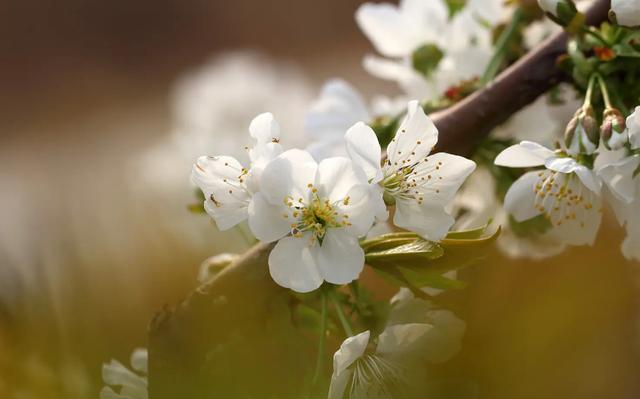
(534, 226)
(425, 59)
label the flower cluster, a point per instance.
(568, 193)
(317, 211)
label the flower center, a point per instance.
(562, 198)
(315, 216)
(411, 181)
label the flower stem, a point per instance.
(321, 344)
(343, 318)
(501, 48)
(595, 34)
(605, 91)
(590, 87)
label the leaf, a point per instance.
(425, 278)
(469, 234)
(421, 263)
(415, 249)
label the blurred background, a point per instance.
(104, 105)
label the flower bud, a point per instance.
(214, 265)
(625, 12)
(613, 129)
(582, 133)
(562, 12)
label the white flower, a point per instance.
(620, 177)
(391, 366)
(566, 193)
(324, 207)
(398, 31)
(131, 385)
(337, 108)
(421, 185)
(228, 187)
(384, 372)
(627, 12)
(478, 203)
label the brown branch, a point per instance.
(463, 125)
(241, 299)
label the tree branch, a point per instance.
(463, 125)
(182, 341)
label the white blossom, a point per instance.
(338, 107)
(317, 212)
(421, 184)
(627, 12)
(391, 366)
(397, 31)
(478, 203)
(130, 385)
(621, 178)
(228, 187)
(566, 193)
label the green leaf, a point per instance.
(426, 278)
(455, 6)
(426, 59)
(469, 234)
(414, 250)
(420, 262)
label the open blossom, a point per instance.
(627, 12)
(399, 32)
(621, 177)
(317, 212)
(420, 184)
(337, 108)
(566, 193)
(392, 366)
(228, 186)
(130, 384)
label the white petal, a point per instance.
(338, 384)
(267, 221)
(412, 83)
(627, 12)
(116, 374)
(292, 264)
(340, 258)
(415, 138)
(351, 350)
(423, 208)
(520, 199)
(338, 107)
(261, 155)
(288, 175)
(527, 154)
(336, 177)
(633, 125)
(619, 178)
(320, 150)
(140, 360)
(432, 222)
(569, 165)
(387, 29)
(401, 338)
(264, 128)
(364, 149)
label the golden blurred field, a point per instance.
(89, 252)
